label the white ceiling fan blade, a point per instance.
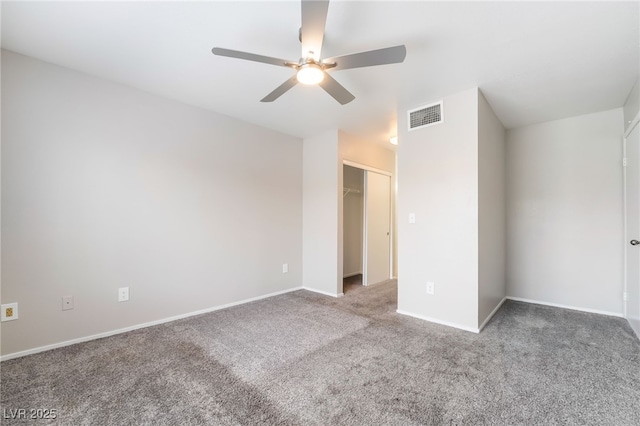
(388, 55)
(280, 90)
(336, 90)
(314, 18)
(249, 56)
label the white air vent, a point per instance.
(425, 116)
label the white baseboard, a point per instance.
(573, 308)
(634, 322)
(437, 321)
(139, 326)
(326, 293)
(492, 314)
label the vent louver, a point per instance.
(425, 116)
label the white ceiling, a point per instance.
(534, 61)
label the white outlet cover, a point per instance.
(285, 268)
(412, 218)
(67, 303)
(431, 287)
(13, 307)
(123, 294)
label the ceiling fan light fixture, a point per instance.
(310, 74)
(310, 68)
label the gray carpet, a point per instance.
(307, 359)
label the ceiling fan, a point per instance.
(311, 69)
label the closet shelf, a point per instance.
(346, 191)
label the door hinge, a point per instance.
(624, 162)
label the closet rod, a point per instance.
(346, 190)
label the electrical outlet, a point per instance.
(412, 218)
(431, 287)
(285, 268)
(123, 294)
(9, 312)
(67, 303)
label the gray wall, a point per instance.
(320, 214)
(438, 181)
(562, 207)
(564, 197)
(492, 214)
(104, 186)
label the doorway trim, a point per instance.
(365, 167)
(625, 288)
(364, 206)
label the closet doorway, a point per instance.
(366, 226)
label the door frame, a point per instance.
(364, 215)
(634, 123)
